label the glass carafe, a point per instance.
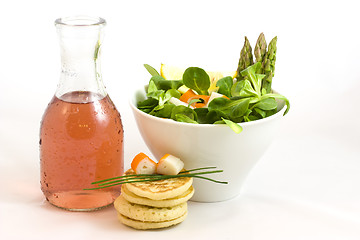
(81, 133)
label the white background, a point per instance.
(307, 184)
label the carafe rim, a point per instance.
(80, 21)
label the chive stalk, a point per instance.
(134, 178)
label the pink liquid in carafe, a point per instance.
(81, 141)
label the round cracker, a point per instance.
(159, 190)
(147, 213)
(133, 198)
(150, 225)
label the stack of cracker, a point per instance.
(155, 204)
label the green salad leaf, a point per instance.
(266, 104)
(162, 83)
(234, 126)
(197, 79)
(153, 91)
(151, 70)
(163, 112)
(225, 84)
(182, 112)
(235, 110)
(147, 105)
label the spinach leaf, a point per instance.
(172, 93)
(239, 110)
(219, 104)
(262, 113)
(151, 87)
(215, 116)
(147, 105)
(225, 84)
(201, 115)
(243, 88)
(165, 96)
(183, 110)
(279, 96)
(234, 109)
(161, 95)
(197, 79)
(164, 112)
(204, 116)
(184, 118)
(266, 104)
(153, 91)
(163, 84)
(250, 73)
(252, 118)
(234, 126)
(151, 70)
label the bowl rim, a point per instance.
(132, 103)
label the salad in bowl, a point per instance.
(195, 96)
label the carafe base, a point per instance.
(80, 201)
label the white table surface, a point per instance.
(306, 186)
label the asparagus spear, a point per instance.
(269, 65)
(246, 59)
(260, 50)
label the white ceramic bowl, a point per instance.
(203, 145)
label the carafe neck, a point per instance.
(80, 41)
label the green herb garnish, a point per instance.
(133, 178)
